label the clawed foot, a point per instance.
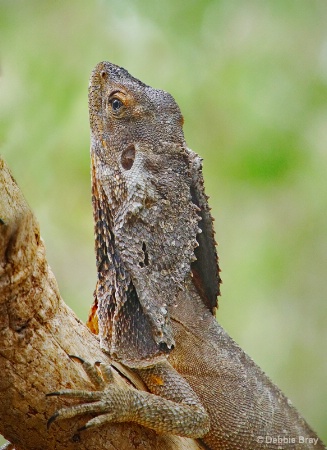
(104, 401)
(112, 403)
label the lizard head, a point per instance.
(148, 206)
(124, 110)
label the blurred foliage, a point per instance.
(251, 80)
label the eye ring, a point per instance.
(115, 104)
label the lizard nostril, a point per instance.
(127, 157)
(103, 74)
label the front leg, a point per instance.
(173, 407)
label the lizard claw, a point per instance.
(112, 403)
(53, 417)
(52, 394)
(101, 377)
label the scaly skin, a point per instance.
(158, 282)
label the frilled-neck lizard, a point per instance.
(158, 282)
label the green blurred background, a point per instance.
(251, 80)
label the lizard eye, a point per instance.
(115, 104)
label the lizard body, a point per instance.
(158, 282)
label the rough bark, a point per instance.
(37, 333)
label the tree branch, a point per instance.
(37, 333)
